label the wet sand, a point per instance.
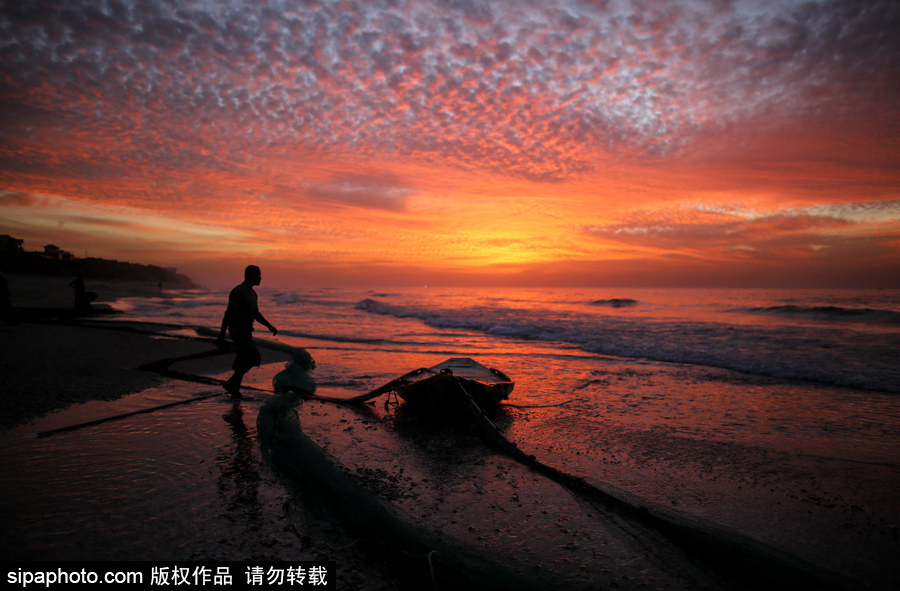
(469, 496)
(56, 371)
(50, 359)
(446, 488)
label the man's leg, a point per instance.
(246, 357)
(233, 384)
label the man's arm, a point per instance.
(261, 319)
(226, 320)
(220, 342)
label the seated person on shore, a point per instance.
(83, 298)
(6, 309)
(242, 311)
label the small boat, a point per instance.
(441, 386)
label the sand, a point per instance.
(50, 359)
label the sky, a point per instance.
(684, 143)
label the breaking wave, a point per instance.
(768, 350)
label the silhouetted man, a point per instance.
(242, 310)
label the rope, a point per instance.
(538, 405)
(122, 416)
(715, 543)
(385, 389)
(347, 547)
(431, 567)
(161, 367)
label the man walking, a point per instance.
(243, 309)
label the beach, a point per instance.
(51, 364)
(792, 451)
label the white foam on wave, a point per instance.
(783, 352)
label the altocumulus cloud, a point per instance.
(362, 191)
(694, 227)
(527, 88)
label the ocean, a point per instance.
(832, 337)
(775, 413)
(795, 370)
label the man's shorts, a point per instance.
(247, 355)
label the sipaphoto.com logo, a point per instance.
(24, 578)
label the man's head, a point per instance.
(252, 275)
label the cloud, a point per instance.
(18, 199)
(875, 212)
(361, 191)
(350, 123)
(717, 229)
(79, 224)
(526, 89)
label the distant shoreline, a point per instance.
(49, 360)
(28, 290)
(36, 263)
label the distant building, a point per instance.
(51, 252)
(8, 244)
(55, 253)
(53, 260)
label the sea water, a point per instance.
(837, 337)
(772, 412)
(810, 370)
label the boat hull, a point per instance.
(442, 387)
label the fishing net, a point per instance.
(720, 558)
(295, 377)
(426, 559)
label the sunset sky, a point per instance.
(457, 142)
